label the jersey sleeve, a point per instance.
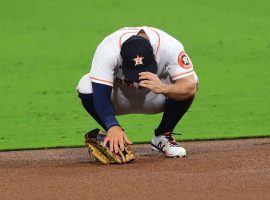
(179, 63)
(104, 62)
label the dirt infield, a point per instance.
(231, 169)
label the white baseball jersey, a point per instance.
(172, 61)
(169, 52)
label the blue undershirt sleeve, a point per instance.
(103, 104)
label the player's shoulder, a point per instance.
(124, 30)
(168, 42)
(169, 38)
(161, 32)
(115, 37)
(163, 39)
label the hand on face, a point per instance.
(152, 82)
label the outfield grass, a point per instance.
(46, 46)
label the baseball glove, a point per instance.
(94, 142)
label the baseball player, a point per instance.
(139, 70)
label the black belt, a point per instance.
(128, 83)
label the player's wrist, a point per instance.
(116, 126)
(164, 88)
(116, 129)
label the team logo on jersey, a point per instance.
(184, 60)
(138, 60)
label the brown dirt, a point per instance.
(231, 169)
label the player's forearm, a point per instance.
(103, 105)
(179, 91)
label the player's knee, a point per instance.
(85, 86)
(192, 92)
(191, 89)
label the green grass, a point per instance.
(46, 46)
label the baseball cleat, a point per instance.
(167, 145)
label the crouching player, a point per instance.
(139, 70)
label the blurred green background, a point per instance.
(46, 46)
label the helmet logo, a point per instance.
(138, 60)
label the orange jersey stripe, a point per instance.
(120, 39)
(101, 80)
(158, 39)
(182, 73)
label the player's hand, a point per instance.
(117, 137)
(152, 82)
